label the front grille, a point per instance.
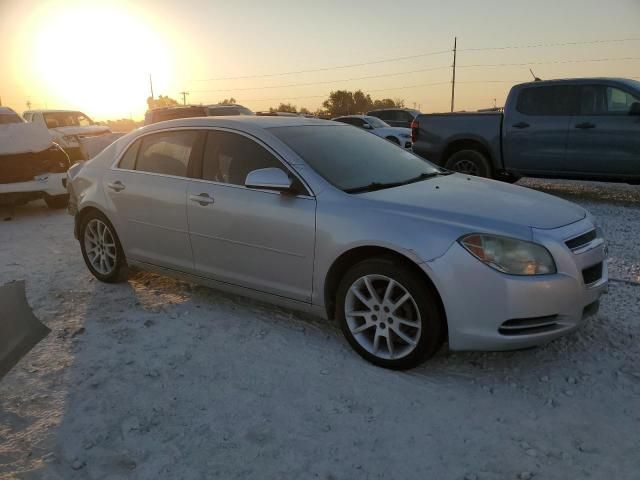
(528, 326)
(592, 274)
(581, 240)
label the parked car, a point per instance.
(69, 128)
(223, 110)
(32, 167)
(396, 117)
(162, 114)
(397, 135)
(8, 115)
(318, 216)
(582, 128)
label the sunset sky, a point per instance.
(97, 56)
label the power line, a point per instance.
(545, 45)
(324, 69)
(419, 55)
(396, 74)
(553, 62)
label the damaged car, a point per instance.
(75, 132)
(32, 166)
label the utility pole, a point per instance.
(184, 97)
(453, 82)
(151, 86)
(28, 104)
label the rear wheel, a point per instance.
(101, 249)
(470, 162)
(57, 201)
(388, 315)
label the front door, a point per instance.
(148, 190)
(535, 130)
(604, 140)
(259, 239)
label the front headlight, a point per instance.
(508, 255)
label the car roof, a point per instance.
(238, 121)
(582, 80)
(54, 111)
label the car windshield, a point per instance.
(66, 119)
(375, 122)
(353, 160)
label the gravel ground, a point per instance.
(160, 379)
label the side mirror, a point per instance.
(269, 179)
(635, 108)
(366, 126)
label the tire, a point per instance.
(470, 162)
(57, 201)
(509, 178)
(393, 140)
(97, 232)
(420, 320)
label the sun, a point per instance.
(97, 56)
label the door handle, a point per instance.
(116, 186)
(203, 199)
(521, 125)
(585, 125)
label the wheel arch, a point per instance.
(357, 254)
(82, 213)
(467, 144)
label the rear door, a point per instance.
(259, 239)
(535, 129)
(148, 189)
(604, 140)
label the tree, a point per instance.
(304, 111)
(343, 102)
(161, 101)
(284, 107)
(228, 101)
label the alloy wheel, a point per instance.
(466, 166)
(100, 246)
(383, 317)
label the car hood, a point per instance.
(89, 131)
(477, 202)
(392, 131)
(23, 138)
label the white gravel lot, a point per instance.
(160, 379)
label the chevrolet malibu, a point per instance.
(325, 218)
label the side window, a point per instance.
(549, 101)
(592, 100)
(357, 122)
(167, 152)
(128, 160)
(230, 157)
(618, 101)
(383, 115)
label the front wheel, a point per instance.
(101, 248)
(470, 162)
(388, 314)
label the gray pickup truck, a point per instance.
(580, 129)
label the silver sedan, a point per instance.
(321, 217)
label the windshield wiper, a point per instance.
(380, 186)
(373, 186)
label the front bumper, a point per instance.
(488, 310)
(47, 184)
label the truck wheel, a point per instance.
(56, 202)
(470, 162)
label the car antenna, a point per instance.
(535, 79)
